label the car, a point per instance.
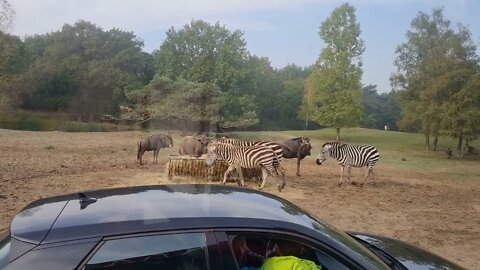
(187, 226)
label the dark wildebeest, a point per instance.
(153, 143)
(296, 148)
(194, 146)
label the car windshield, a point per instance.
(364, 113)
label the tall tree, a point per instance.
(12, 64)
(205, 53)
(433, 64)
(336, 81)
(201, 52)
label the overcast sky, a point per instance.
(285, 31)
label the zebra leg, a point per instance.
(282, 171)
(341, 175)
(155, 155)
(369, 171)
(230, 168)
(273, 171)
(349, 169)
(240, 175)
(264, 177)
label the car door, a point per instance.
(263, 242)
(184, 250)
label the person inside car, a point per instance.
(288, 256)
(246, 259)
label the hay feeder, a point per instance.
(196, 168)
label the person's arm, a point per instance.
(254, 259)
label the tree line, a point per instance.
(203, 76)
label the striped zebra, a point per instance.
(276, 147)
(239, 157)
(350, 156)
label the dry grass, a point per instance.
(427, 207)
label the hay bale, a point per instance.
(197, 168)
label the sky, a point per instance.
(285, 31)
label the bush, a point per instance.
(32, 124)
(72, 126)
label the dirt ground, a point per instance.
(428, 210)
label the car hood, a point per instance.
(411, 257)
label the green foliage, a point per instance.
(201, 52)
(380, 109)
(176, 100)
(32, 124)
(204, 73)
(82, 70)
(20, 120)
(333, 95)
(252, 92)
(436, 68)
(292, 72)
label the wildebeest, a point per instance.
(193, 146)
(153, 143)
(296, 148)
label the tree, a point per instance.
(211, 54)
(6, 16)
(433, 65)
(83, 70)
(201, 52)
(12, 65)
(336, 93)
(181, 100)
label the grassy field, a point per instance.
(398, 150)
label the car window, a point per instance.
(4, 250)
(175, 251)
(254, 251)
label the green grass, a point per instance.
(393, 147)
(38, 121)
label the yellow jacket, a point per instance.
(289, 263)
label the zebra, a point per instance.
(239, 157)
(350, 156)
(276, 147)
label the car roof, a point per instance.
(153, 208)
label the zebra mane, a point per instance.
(338, 144)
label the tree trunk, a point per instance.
(435, 142)
(459, 146)
(204, 127)
(427, 138)
(306, 122)
(338, 134)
